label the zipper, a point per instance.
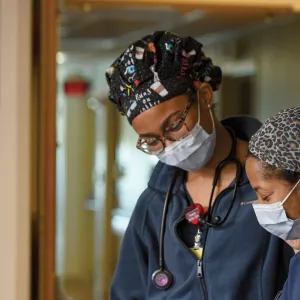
(202, 279)
(199, 262)
(199, 274)
(200, 270)
(188, 250)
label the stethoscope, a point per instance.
(162, 278)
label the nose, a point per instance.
(168, 142)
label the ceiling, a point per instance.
(100, 29)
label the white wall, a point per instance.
(73, 222)
(135, 165)
(75, 162)
(77, 227)
(15, 21)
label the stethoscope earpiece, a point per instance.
(162, 279)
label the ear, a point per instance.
(206, 94)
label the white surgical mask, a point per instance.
(194, 151)
(273, 218)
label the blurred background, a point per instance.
(100, 173)
(86, 174)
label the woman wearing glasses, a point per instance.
(273, 167)
(193, 233)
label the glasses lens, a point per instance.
(151, 146)
(177, 131)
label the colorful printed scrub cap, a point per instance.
(277, 142)
(157, 68)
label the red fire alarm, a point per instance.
(76, 86)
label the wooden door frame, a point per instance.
(44, 148)
(111, 240)
(43, 219)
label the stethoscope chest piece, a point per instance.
(162, 279)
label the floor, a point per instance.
(76, 290)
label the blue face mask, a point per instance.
(194, 151)
(273, 218)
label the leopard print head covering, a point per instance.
(277, 142)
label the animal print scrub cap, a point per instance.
(277, 142)
(156, 68)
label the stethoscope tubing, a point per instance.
(207, 220)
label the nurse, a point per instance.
(164, 84)
(273, 168)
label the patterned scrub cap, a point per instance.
(277, 142)
(157, 68)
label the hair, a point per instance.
(278, 173)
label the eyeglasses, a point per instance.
(178, 130)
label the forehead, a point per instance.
(254, 170)
(259, 176)
(151, 119)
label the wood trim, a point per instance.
(111, 241)
(48, 146)
(44, 114)
(279, 6)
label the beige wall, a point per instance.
(14, 148)
(79, 230)
(81, 165)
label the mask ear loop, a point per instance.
(211, 115)
(289, 194)
(209, 108)
(198, 99)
